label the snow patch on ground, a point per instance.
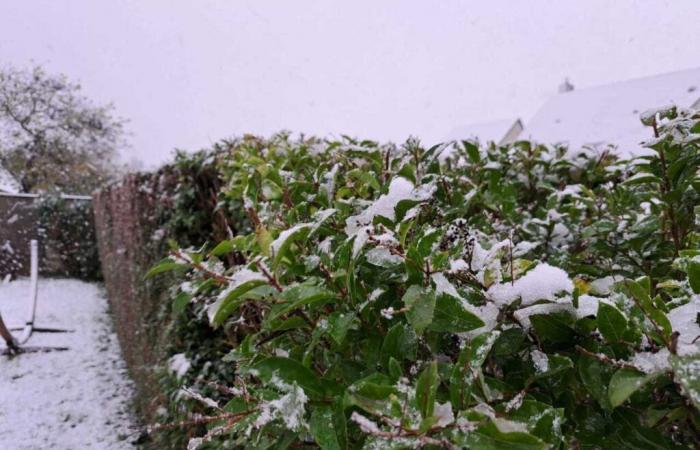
(76, 399)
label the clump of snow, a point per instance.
(328, 183)
(388, 313)
(543, 282)
(79, 398)
(540, 360)
(194, 443)
(361, 238)
(399, 189)
(523, 247)
(382, 257)
(587, 306)
(289, 408)
(365, 424)
(443, 286)
(569, 190)
(187, 392)
(684, 320)
(482, 258)
(603, 286)
(649, 362)
(458, 265)
(443, 412)
(516, 402)
(375, 294)
(179, 365)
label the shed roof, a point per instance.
(610, 113)
(495, 131)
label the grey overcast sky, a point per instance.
(187, 73)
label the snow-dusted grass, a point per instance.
(76, 399)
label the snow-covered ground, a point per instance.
(75, 399)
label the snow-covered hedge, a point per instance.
(520, 297)
(67, 227)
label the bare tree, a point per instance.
(52, 138)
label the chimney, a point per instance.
(566, 86)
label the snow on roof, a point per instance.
(610, 113)
(8, 183)
(498, 131)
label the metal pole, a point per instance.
(33, 291)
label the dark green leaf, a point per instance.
(450, 315)
(611, 322)
(626, 382)
(323, 429)
(421, 305)
(426, 389)
(291, 371)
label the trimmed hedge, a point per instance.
(457, 296)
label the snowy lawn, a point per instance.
(75, 399)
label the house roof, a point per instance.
(495, 131)
(8, 184)
(610, 113)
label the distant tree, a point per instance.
(52, 138)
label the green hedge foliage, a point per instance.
(458, 296)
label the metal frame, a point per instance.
(29, 327)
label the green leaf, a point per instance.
(426, 389)
(636, 290)
(181, 301)
(421, 305)
(323, 429)
(399, 343)
(305, 294)
(640, 289)
(472, 151)
(543, 420)
(395, 370)
(490, 437)
(686, 370)
(291, 371)
(263, 238)
(165, 265)
(630, 434)
(595, 377)
(425, 244)
(339, 324)
(553, 328)
(372, 393)
(279, 246)
(222, 248)
(510, 341)
(451, 316)
(231, 297)
(626, 382)
(556, 364)
(470, 360)
(694, 275)
(642, 178)
(611, 322)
